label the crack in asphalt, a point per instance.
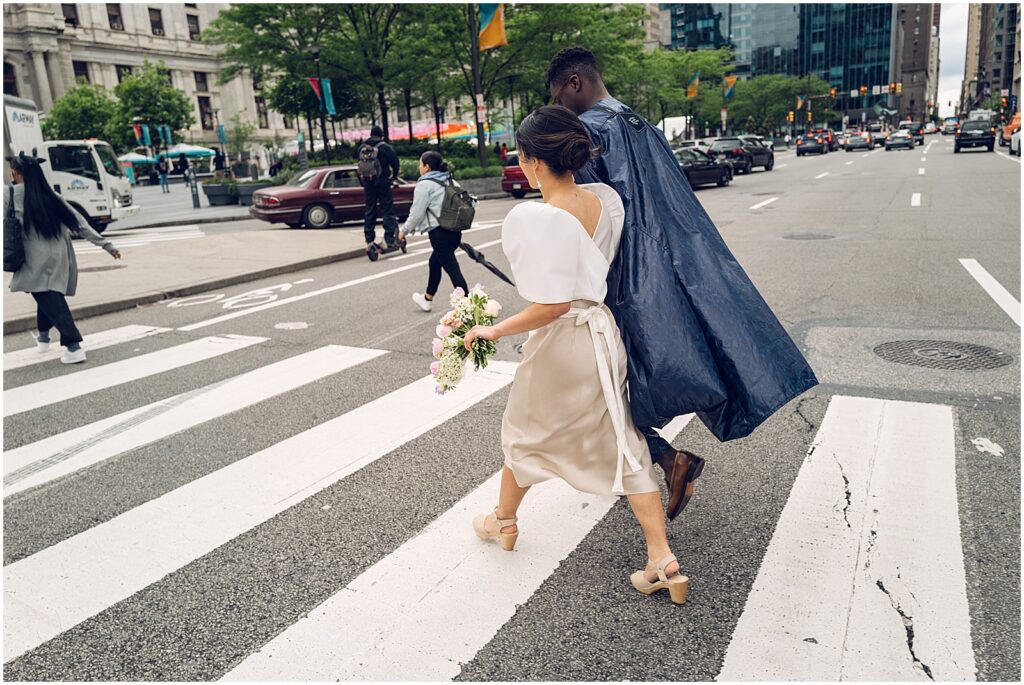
(908, 625)
(799, 412)
(849, 495)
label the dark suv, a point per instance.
(978, 133)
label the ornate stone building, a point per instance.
(49, 47)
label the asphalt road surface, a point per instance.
(260, 484)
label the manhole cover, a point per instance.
(100, 268)
(808, 236)
(943, 354)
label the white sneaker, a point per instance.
(40, 346)
(76, 357)
(422, 301)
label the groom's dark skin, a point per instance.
(580, 93)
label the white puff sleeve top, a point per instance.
(553, 257)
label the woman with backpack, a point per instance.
(48, 269)
(424, 216)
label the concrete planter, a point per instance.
(219, 194)
(482, 186)
(245, 191)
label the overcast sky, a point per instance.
(952, 50)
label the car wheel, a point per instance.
(518, 194)
(771, 163)
(317, 216)
(956, 148)
(723, 180)
(991, 147)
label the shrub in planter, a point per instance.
(468, 172)
(220, 192)
(245, 191)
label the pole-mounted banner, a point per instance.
(694, 85)
(325, 83)
(147, 141)
(492, 26)
(728, 87)
(316, 88)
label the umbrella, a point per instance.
(478, 257)
(188, 151)
(136, 158)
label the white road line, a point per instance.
(920, 172)
(763, 203)
(866, 154)
(134, 242)
(323, 291)
(59, 455)
(56, 589)
(432, 604)
(779, 166)
(870, 535)
(822, 175)
(92, 341)
(1006, 156)
(915, 200)
(849, 163)
(152, 231)
(924, 159)
(59, 388)
(1007, 302)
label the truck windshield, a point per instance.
(74, 159)
(109, 160)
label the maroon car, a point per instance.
(513, 180)
(320, 197)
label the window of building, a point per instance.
(81, 71)
(996, 73)
(114, 16)
(193, 26)
(10, 80)
(156, 21)
(202, 82)
(205, 112)
(193, 5)
(122, 70)
(70, 11)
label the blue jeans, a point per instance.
(163, 183)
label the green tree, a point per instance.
(240, 135)
(149, 97)
(83, 112)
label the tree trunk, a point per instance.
(408, 110)
(437, 118)
(382, 102)
(309, 123)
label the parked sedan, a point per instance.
(811, 142)
(977, 133)
(901, 138)
(733, 151)
(513, 180)
(701, 169)
(1015, 143)
(760, 151)
(320, 197)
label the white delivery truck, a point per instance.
(86, 173)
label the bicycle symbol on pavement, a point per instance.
(252, 298)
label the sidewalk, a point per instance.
(177, 268)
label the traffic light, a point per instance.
(899, 87)
(809, 115)
(863, 90)
(892, 87)
(1002, 102)
(791, 117)
(832, 92)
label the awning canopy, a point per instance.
(136, 158)
(187, 150)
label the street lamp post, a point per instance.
(323, 106)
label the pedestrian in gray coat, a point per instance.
(50, 272)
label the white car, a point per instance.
(1015, 143)
(930, 127)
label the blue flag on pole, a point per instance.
(221, 134)
(145, 135)
(325, 84)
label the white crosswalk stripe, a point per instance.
(868, 541)
(132, 238)
(72, 385)
(91, 341)
(64, 453)
(61, 586)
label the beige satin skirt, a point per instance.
(557, 423)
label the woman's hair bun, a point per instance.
(556, 136)
(576, 153)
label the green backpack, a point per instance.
(458, 207)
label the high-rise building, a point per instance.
(992, 50)
(698, 26)
(972, 60)
(654, 30)
(933, 60)
(916, 59)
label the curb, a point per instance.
(26, 323)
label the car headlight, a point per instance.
(117, 200)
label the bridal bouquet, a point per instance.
(468, 310)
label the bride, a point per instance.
(568, 414)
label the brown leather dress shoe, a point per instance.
(681, 469)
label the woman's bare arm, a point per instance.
(533, 317)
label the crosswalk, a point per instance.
(863, 579)
(141, 237)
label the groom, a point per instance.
(698, 335)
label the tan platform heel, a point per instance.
(508, 540)
(677, 585)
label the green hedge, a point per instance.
(468, 172)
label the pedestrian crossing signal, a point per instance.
(899, 87)
(832, 92)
